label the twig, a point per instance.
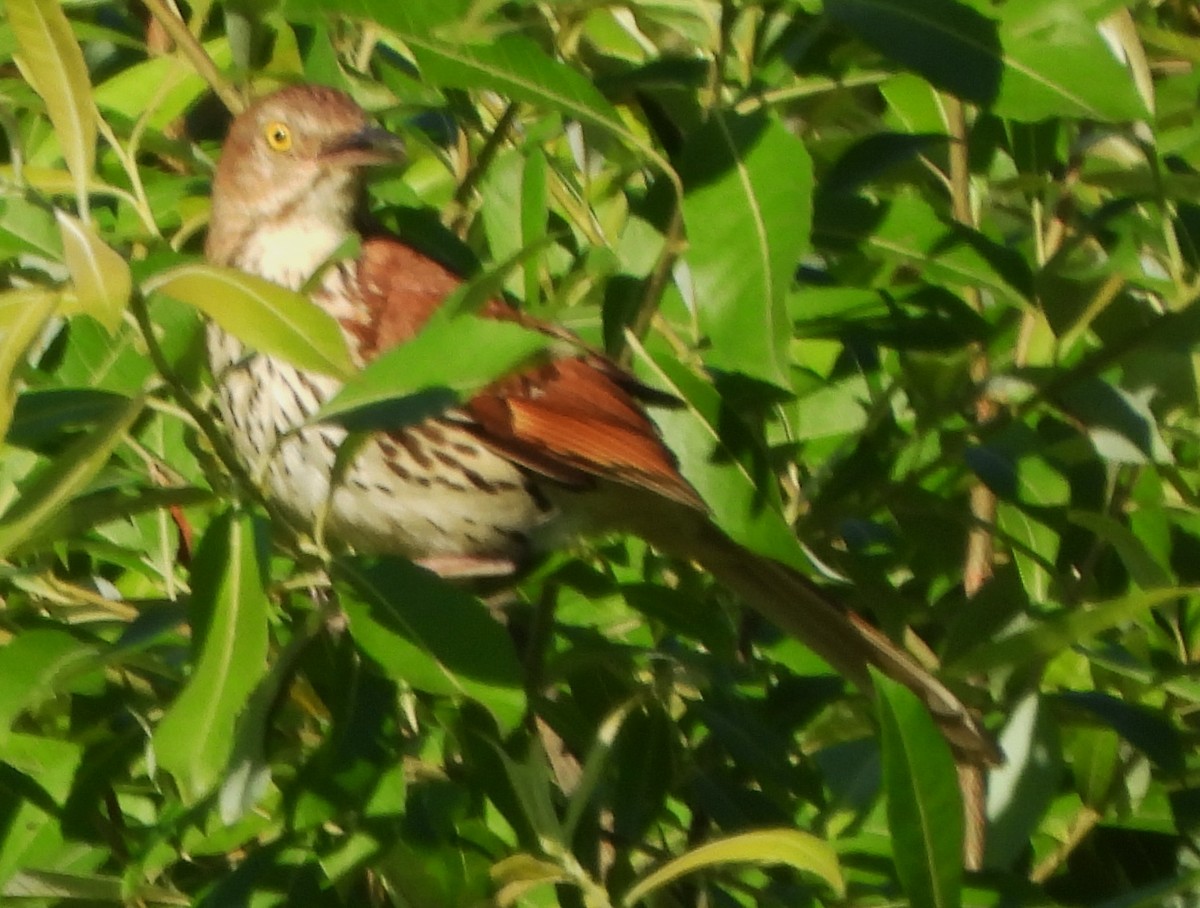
(195, 53)
(656, 283)
(978, 561)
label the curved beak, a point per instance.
(364, 147)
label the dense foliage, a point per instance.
(923, 273)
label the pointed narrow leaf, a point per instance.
(925, 811)
(54, 65)
(456, 356)
(508, 64)
(713, 455)
(434, 636)
(193, 741)
(517, 874)
(263, 315)
(789, 847)
(1034, 545)
(159, 89)
(1082, 78)
(95, 888)
(23, 314)
(64, 478)
(100, 276)
(953, 46)
(1056, 634)
(747, 207)
(1002, 65)
(1020, 790)
(33, 667)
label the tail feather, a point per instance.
(843, 639)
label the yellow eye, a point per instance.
(279, 136)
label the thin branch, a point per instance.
(491, 145)
(978, 561)
(977, 568)
(195, 53)
(660, 275)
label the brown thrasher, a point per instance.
(563, 447)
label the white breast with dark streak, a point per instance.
(428, 491)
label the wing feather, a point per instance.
(576, 418)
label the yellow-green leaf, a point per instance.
(263, 315)
(53, 64)
(23, 313)
(99, 274)
(65, 477)
(194, 740)
(792, 847)
(517, 874)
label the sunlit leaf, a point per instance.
(1020, 789)
(194, 739)
(53, 63)
(263, 315)
(99, 275)
(450, 359)
(747, 206)
(35, 665)
(23, 314)
(925, 809)
(790, 847)
(65, 477)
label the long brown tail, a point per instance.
(843, 639)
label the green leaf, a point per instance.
(1082, 78)
(35, 666)
(53, 63)
(194, 740)
(1150, 731)
(95, 888)
(100, 276)
(1121, 424)
(788, 847)
(915, 235)
(747, 207)
(23, 314)
(1022, 787)
(95, 359)
(1034, 547)
(161, 88)
(64, 478)
(263, 315)
(42, 416)
(643, 761)
(533, 790)
(594, 765)
(533, 218)
(506, 63)
(1095, 764)
(1142, 566)
(427, 633)
(949, 43)
(1001, 65)
(34, 798)
(517, 874)
(719, 459)
(1055, 634)
(924, 806)
(450, 359)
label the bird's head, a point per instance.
(296, 154)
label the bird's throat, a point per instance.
(291, 250)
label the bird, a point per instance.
(562, 447)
